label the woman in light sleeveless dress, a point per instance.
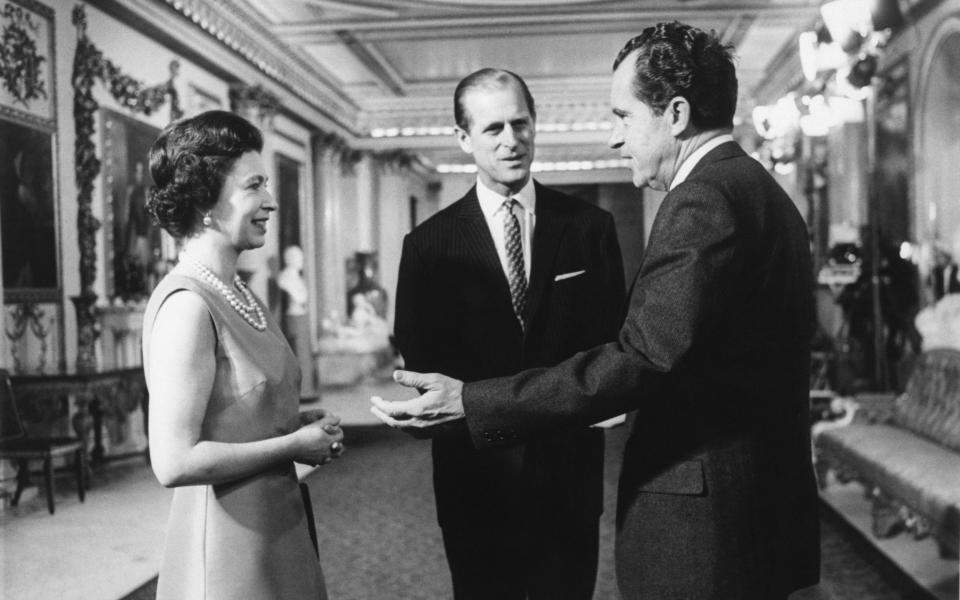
(225, 426)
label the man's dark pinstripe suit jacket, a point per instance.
(454, 316)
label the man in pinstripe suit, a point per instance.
(512, 276)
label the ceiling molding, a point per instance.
(551, 114)
(300, 33)
(375, 62)
(359, 8)
(572, 87)
(581, 141)
(499, 4)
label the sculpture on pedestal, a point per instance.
(366, 300)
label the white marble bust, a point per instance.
(291, 281)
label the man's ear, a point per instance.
(463, 138)
(678, 110)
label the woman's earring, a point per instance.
(207, 221)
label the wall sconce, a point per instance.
(862, 71)
(819, 54)
(819, 118)
(886, 14)
(848, 21)
(851, 22)
(777, 120)
(860, 28)
(846, 110)
(811, 115)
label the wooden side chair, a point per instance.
(17, 446)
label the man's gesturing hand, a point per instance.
(441, 402)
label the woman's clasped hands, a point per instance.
(320, 437)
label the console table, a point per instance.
(95, 393)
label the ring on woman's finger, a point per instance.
(336, 447)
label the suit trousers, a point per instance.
(542, 563)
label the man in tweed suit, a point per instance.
(717, 498)
(513, 275)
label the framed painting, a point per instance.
(136, 258)
(28, 126)
(28, 214)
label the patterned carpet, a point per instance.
(378, 534)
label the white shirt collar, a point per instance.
(687, 166)
(491, 201)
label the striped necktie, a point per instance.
(517, 274)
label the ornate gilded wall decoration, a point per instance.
(255, 103)
(30, 317)
(90, 66)
(20, 62)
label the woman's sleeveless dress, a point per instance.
(247, 538)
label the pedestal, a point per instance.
(349, 361)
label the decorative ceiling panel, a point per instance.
(341, 63)
(531, 56)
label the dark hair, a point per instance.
(189, 162)
(487, 78)
(679, 60)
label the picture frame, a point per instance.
(28, 213)
(136, 253)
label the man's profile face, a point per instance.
(501, 136)
(639, 134)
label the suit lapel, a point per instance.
(546, 240)
(478, 243)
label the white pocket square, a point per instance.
(563, 276)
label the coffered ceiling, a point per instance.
(386, 70)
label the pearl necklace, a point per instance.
(251, 311)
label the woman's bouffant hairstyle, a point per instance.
(189, 162)
(673, 60)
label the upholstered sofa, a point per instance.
(905, 450)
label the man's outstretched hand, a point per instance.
(441, 403)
